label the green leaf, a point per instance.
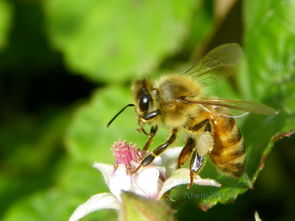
(114, 40)
(136, 208)
(270, 72)
(5, 21)
(206, 196)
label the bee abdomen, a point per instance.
(228, 153)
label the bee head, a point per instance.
(143, 102)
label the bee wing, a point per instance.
(243, 106)
(221, 59)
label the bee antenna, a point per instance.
(111, 121)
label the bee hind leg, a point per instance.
(195, 165)
(186, 152)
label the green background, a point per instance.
(67, 66)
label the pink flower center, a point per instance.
(125, 154)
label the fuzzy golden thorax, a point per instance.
(171, 89)
(165, 95)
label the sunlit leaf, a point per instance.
(114, 40)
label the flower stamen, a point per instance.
(126, 154)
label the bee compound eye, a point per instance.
(144, 102)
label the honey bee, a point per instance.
(177, 101)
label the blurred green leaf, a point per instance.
(79, 179)
(269, 47)
(114, 40)
(5, 21)
(30, 149)
(42, 135)
(50, 205)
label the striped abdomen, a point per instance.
(228, 153)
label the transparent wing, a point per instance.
(222, 59)
(224, 112)
(243, 106)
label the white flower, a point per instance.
(151, 182)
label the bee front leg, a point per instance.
(156, 152)
(151, 135)
(141, 128)
(151, 115)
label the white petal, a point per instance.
(256, 216)
(171, 153)
(120, 181)
(96, 202)
(182, 176)
(105, 169)
(147, 180)
(168, 159)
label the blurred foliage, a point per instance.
(5, 21)
(113, 40)
(53, 121)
